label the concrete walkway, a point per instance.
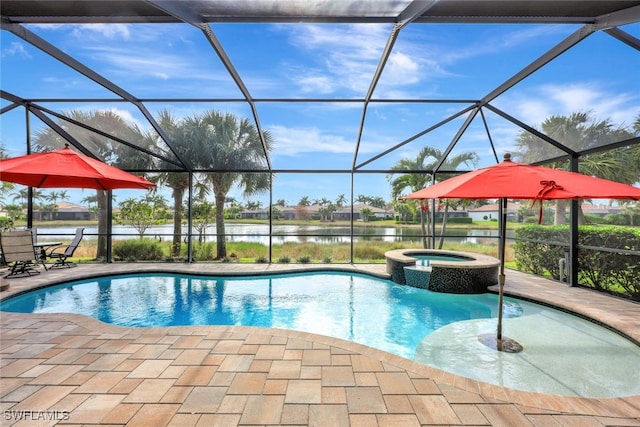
(73, 370)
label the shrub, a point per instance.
(305, 259)
(203, 251)
(541, 249)
(262, 260)
(284, 260)
(606, 270)
(368, 250)
(604, 261)
(594, 219)
(138, 250)
(6, 223)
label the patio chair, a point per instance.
(62, 252)
(17, 248)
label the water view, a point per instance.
(259, 233)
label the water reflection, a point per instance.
(259, 233)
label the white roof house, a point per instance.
(491, 211)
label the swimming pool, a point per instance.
(563, 354)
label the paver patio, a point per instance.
(73, 370)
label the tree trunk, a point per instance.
(102, 203)
(561, 212)
(424, 223)
(221, 247)
(581, 219)
(444, 223)
(178, 194)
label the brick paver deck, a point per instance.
(80, 371)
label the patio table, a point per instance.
(43, 248)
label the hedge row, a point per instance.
(539, 248)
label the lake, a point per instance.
(281, 233)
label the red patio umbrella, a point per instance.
(66, 168)
(519, 181)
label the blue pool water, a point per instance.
(425, 260)
(434, 328)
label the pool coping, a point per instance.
(476, 260)
(470, 274)
(584, 302)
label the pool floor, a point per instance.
(114, 374)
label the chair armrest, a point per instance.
(56, 249)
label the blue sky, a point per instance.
(330, 61)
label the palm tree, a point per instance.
(111, 151)
(178, 182)
(580, 132)
(90, 201)
(53, 197)
(426, 159)
(22, 195)
(469, 159)
(304, 201)
(5, 187)
(224, 143)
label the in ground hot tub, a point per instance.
(443, 271)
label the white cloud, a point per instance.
(403, 68)
(347, 55)
(105, 45)
(15, 49)
(315, 84)
(538, 103)
(108, 31)
(140, 62)
(89, 31)
(449, 52)
(294, 141)
(125, 115)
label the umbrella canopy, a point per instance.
(512, 180)
(525, 182)
(66, 168)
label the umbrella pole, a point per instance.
(502, 343)
(501, 277)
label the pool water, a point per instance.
(433, 328)
(425, 260)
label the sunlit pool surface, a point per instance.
(563, 354)
(425, 260)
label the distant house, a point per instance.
(299, 212)
(313, 212)
(600, 210)
(344, 213)
(71, 212)
(491, 212)
(254, 214)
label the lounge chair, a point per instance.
(62, 252)
(17, 248)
